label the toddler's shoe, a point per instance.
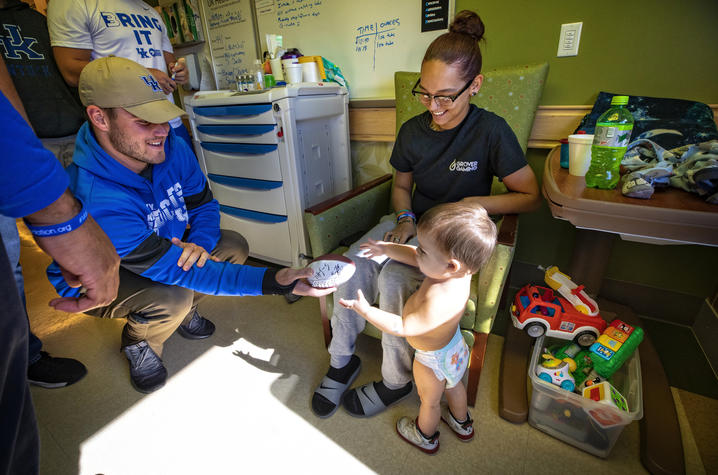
(409, 431)
(463, 430)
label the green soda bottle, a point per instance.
(613, 132)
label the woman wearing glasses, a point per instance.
(449, 153)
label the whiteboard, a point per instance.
(230, 34)
(368, 39)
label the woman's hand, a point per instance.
(402, 232)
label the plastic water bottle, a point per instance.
(613, 132)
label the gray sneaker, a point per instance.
(197, 328)
(463, 430)
(408, 430)
(147, 372)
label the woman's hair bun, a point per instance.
(468, 23)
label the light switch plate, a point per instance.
(569, 39)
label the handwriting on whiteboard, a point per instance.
(292, 13)
(219, 18)
(376, 36)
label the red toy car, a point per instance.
(538, 310)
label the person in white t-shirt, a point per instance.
(83, 30)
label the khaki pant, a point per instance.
(154, 310)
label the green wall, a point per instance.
(651, 48)
(661, 48)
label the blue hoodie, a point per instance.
(142, 214)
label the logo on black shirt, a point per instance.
(16, 44)
(461, 166)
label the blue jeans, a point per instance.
(11, 239)
(19, 439)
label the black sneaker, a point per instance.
(147, 372)
(51, 373)
(197, 328)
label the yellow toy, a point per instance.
(575, 294)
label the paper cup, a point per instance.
(286, 62)
(293, 73)
(276, 66)
(310, 72)
(579, 154)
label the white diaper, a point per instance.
(448, 363)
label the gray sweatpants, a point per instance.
(391, 283)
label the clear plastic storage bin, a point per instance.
(591, 426)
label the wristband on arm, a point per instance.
(61, 228)
(403, 214)
(270, 286)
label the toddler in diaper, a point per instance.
(455, 240)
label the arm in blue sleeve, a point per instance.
(214, 278)
(31, 178)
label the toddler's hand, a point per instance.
(360, 305)
(373, 248)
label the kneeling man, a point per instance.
(144, 187)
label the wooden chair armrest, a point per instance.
(508, 230)
(347, 195)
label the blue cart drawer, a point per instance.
(248, 109)
(241, 182)
(259, 195)
(246, 148)
(253, 215)
(268, 241)
(234, 114)
(262, 134)
(262, 167)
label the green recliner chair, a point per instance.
(512, 93)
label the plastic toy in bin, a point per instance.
(606, 394)
(556, 371)
(617, 343)
(538, 310)
(575, 294)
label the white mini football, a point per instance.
(331, 270)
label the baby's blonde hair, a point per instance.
(464, 232)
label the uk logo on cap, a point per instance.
(152, 82)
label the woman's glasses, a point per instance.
(440, 100)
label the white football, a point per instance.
(331, 270)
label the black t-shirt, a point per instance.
(450, 165)
(53, 110)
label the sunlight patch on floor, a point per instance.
(196, 424)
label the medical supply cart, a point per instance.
(269, 155)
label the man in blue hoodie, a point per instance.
(144, 187)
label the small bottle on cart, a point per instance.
(258, 75)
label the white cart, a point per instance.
(268, 156)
